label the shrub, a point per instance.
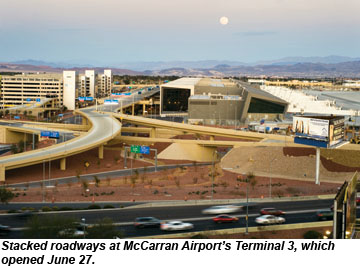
(46, 209)
(312, 234)
(12, 211)
(94, 207)
(108, 206)
(6, 195)
(199, 236)
(65, 208)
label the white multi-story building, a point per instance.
(27, 89)
(69, 89)
(87, 84)
(105, 83)
(60, 89)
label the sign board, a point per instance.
(319, 131)
(38, 99)
(110, 102)
(16, 117)
(135, 149)
(60, 115)
(28, 99)
(54, 135)
(50, 134)
(45, 133)
(81, 99)
(313, 128)
(145, 150)
(89, 98)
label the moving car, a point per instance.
(324, 214)
(4, 229)
(176, 226)
(143, 222)
(269, 219)
(271, 211)
(72, 232)
(225, 218)
(221, 209)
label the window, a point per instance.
(259, 106)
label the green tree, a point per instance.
(103, 229)
(250, 178)
(14, 149)
(85, 185)
(7, 112)
(48, 227)
(97, 181)
(312, 234)
(21, 146)
(6, 195)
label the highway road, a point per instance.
(296, 212)
(104, 128)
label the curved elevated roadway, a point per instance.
(103, 128)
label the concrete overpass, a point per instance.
(103, 129)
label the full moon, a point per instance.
(224, 20)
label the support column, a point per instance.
(63, 163)
(133, 109)
(101, 152)
(317, 178)
(212, 138)
(144, 108)
(2, 173)
(153, 133)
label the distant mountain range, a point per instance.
(332, 66)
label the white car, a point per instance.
(176, 226)
(226, 209)
(269, 219)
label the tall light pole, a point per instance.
(84, 225)
(247, 205)
(212, 175)
(271, 176)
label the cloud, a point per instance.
(256, 33)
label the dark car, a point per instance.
(325, 214)
(142, 222)
(225, 218)
(271, 211)
(358, 200)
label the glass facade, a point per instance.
(259, 106)
(175, 99)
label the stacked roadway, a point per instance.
(104, 127)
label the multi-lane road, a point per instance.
(296, 212)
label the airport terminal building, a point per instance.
(219, 101)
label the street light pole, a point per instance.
(212, 175)
(84, 224)
(271, 176)
(247, 206)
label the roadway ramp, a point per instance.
(103, 129)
